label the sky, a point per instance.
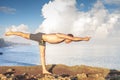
(27, 12)
(96, 18)
(17, 12)
(36, 15)
(99, 19)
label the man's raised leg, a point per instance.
(21, 34)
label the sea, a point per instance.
(29, 55)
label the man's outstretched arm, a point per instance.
(64, 36)
(73, 38)
(81, 38)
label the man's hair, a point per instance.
(70, 35)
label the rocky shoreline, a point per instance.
(59, 72)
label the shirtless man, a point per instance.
(42, 38)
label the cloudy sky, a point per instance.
(75, 16)
(96, 18)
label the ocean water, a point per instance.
(98, 56)
(23, 55)
(28, 55)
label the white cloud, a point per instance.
(63, 16)
(59, 16)
(7, 10)
(20, 28)
(117, 2)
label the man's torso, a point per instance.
(52, 38)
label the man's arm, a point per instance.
(64, 36)
(72, 38)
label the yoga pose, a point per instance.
(42, 38)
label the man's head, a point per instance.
(71, 35)
(68, 40)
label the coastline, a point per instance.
(64, 72)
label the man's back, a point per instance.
(52, 38)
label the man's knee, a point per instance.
(27, 36)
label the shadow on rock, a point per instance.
(113, 75)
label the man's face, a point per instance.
(68, 41)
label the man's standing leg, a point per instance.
(43, 60)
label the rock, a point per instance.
(10, 71)
(73, 78)
(2, 77)
(1, 53)
(60, 72)
(81, 76)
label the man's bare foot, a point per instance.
(46, 73)
(8, 33)
(87, 38)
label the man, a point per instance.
(42, 38)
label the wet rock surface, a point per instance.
(59, 72)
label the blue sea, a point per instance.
(28, 55)
(23, 55)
